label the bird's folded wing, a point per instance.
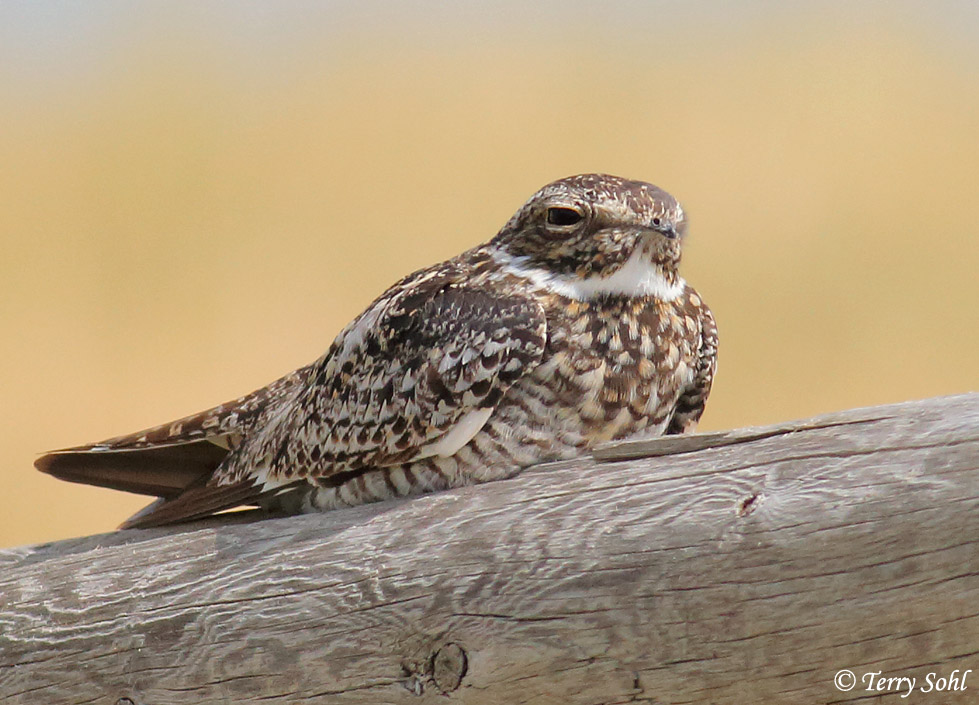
(418, 374)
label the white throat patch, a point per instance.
(637, 277)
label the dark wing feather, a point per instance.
(160, 471)
(197, 503)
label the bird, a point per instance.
(570, 328)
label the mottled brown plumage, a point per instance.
(571, 327)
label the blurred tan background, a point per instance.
(193, 201)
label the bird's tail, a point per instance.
(174, 462)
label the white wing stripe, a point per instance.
(458, 436)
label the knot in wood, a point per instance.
(747, 505)
(445, 667)
(449, 666)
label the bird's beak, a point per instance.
(666, 229)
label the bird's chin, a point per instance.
(640, 276)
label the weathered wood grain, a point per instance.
(747, 567)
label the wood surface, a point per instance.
(742, 567)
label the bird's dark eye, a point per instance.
(656, 222)
(563, 216)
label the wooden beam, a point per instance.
(747, 567)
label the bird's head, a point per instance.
(595, 234)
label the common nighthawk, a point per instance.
(569, 328)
